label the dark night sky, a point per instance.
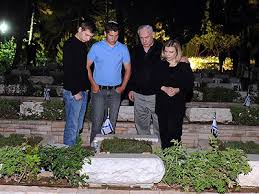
(184, 13)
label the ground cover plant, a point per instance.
(118, 145)
(9, 109)
(219, 94)
(201, 170)
(22, 163)
(245, 115)
(249, 147)
(52, 110)
(19, 139)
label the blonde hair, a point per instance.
(172, 43)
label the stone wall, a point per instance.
(194, 135)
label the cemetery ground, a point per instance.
(23, 113)
(195, 135)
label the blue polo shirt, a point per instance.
(108, 62)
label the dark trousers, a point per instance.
(170, 126)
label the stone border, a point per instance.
(194, 135)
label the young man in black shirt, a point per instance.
(76, 83)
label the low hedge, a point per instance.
(245, 115)
(52, 110)
(249, 147)
(219, 94)
(18, 140)
(9, 109)
(118, 145)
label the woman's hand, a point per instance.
(170, 91)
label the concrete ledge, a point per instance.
(10, 189)
(252, 178)
(124, 169)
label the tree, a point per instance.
(212, 40)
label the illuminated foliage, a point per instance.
(60, 46)
(7, 51)
(210, 62)
(160, 32)
(211, 43)
(212, 40)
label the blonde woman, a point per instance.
(175, 81)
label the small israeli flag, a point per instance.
(214, 127)
(247, 101)
(46, 94)
(107, 126)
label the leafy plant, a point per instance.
(245, 115)
(249, 147)
(41, 52)
(60, 47)
(53, 110)
(212, 41)
(117, 145)
(9, 108)
(19, 139)
(22, 161)
(205, 169)
(7, 51)
(219, 94)
(65, 162)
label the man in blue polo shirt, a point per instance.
(106, 80)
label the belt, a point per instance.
(107, 87)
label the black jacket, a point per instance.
(144, 66)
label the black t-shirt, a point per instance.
(144, 66)
(74, 64)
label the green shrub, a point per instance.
(9, 109)
(21, 161)
(60, 46)
(117, 145)
(245, 115)
(219, 94)
(14, 140)
(205, 169)
(53, 110)
(7, 52)
(24, 162)
(65, 162)
(249, 147)
(19, 139)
